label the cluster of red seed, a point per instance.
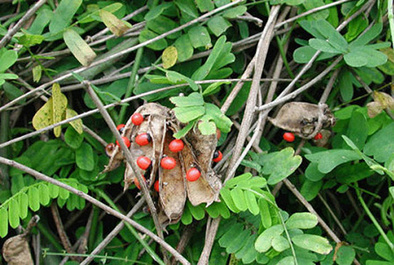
(166, 162)
(289, 137)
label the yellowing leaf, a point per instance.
(169, 57)
(43, 116)
(37, 71)
(78, 47)
(385, 100)
(59, 107)
(52, 112)
(114, 24)
(77, 124)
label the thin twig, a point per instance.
(129, 158)
(96, 202)
(121, 53)
(21, 22)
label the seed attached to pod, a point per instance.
(288, 137)
(157, 186)
(137, 118)
(143, 139)
(143, 162)
(318, 136)
(120, 128)
(176, 145)
(193, 174)
(109, 149)
(217, 156)
(125, 140)
(167, 162)
(137, 183)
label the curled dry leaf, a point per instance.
(381, 102)
(160, 123)
(301, 118)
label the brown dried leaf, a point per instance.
(16, 251)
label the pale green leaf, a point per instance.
(301, 221)
(78, 47)
(117, 26)
(264, 240)
(23, 205)
(169, 57)
(13, 210)
(76, 124)
(239, 198)
(84, 157)
(63, 15)
(313, 243)
(186, 114)
(280, 243)
(3, 221)
(7, 59)
(34, 199)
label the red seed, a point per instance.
(217, 156)
(288, 137)
(137, 118)
(193, 174)
(143, 139)
(318, 136)
(125, 140)
(167, 162)
(137, 183)
(157, 186)
(143, 162)
(120, 128)
(176, 145)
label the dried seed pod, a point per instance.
(171, 182)
(301, 118)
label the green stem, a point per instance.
(13, 19)
(93, 228)
(132, 230)
(48, 235)
(131, 82)
(390, 15)
(373, 219)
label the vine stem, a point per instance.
(99, 204)
(21, 22)
(373, 219)
(124, 52)
(129, 158)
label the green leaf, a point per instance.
(358, 129)
(194, 99)
(23, 205)
(391, 190)
(63, 15)
(34, 199)
(383, 250)
(231, 183)
(84, 157)
(250, 199)
(204, 70)
(214, 88)
(117, 26)
(44, 194)
(226, 196)
(184, 131)
(229, 236)
(234, 12)
(53, 191)
(346, 85)
(218, 25)
(322, 14)
(238, 241)
(368, 36)
(310, 189)
(186, 114)
(380, 145)
(72, 138)
(184, 47)
(199, 37)
(205, 5)
(331, 34)
(44, 15)
(197, 212)
(303, 54)
(279, 243)
(188, 7)
(264, 240)
(265, 214)
(330, 159)
(301, 221)
(207, 127)
(247, 253)
(355, 27)
(312, 173)
(7, 59)
(323, 45)
(280, 165)
(365, 56)
(222, 121)
(158, 10)
(78, 47)
(177, 78)
(3, 221)
(29, 40)
(239, 199)
(345, 255)
(63, 194)
(13, 210)
(313, 243)
(158, 45)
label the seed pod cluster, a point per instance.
(177, 168)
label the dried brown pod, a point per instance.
(381, 101)
(302, 118)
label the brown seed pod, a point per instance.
(301, 118)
